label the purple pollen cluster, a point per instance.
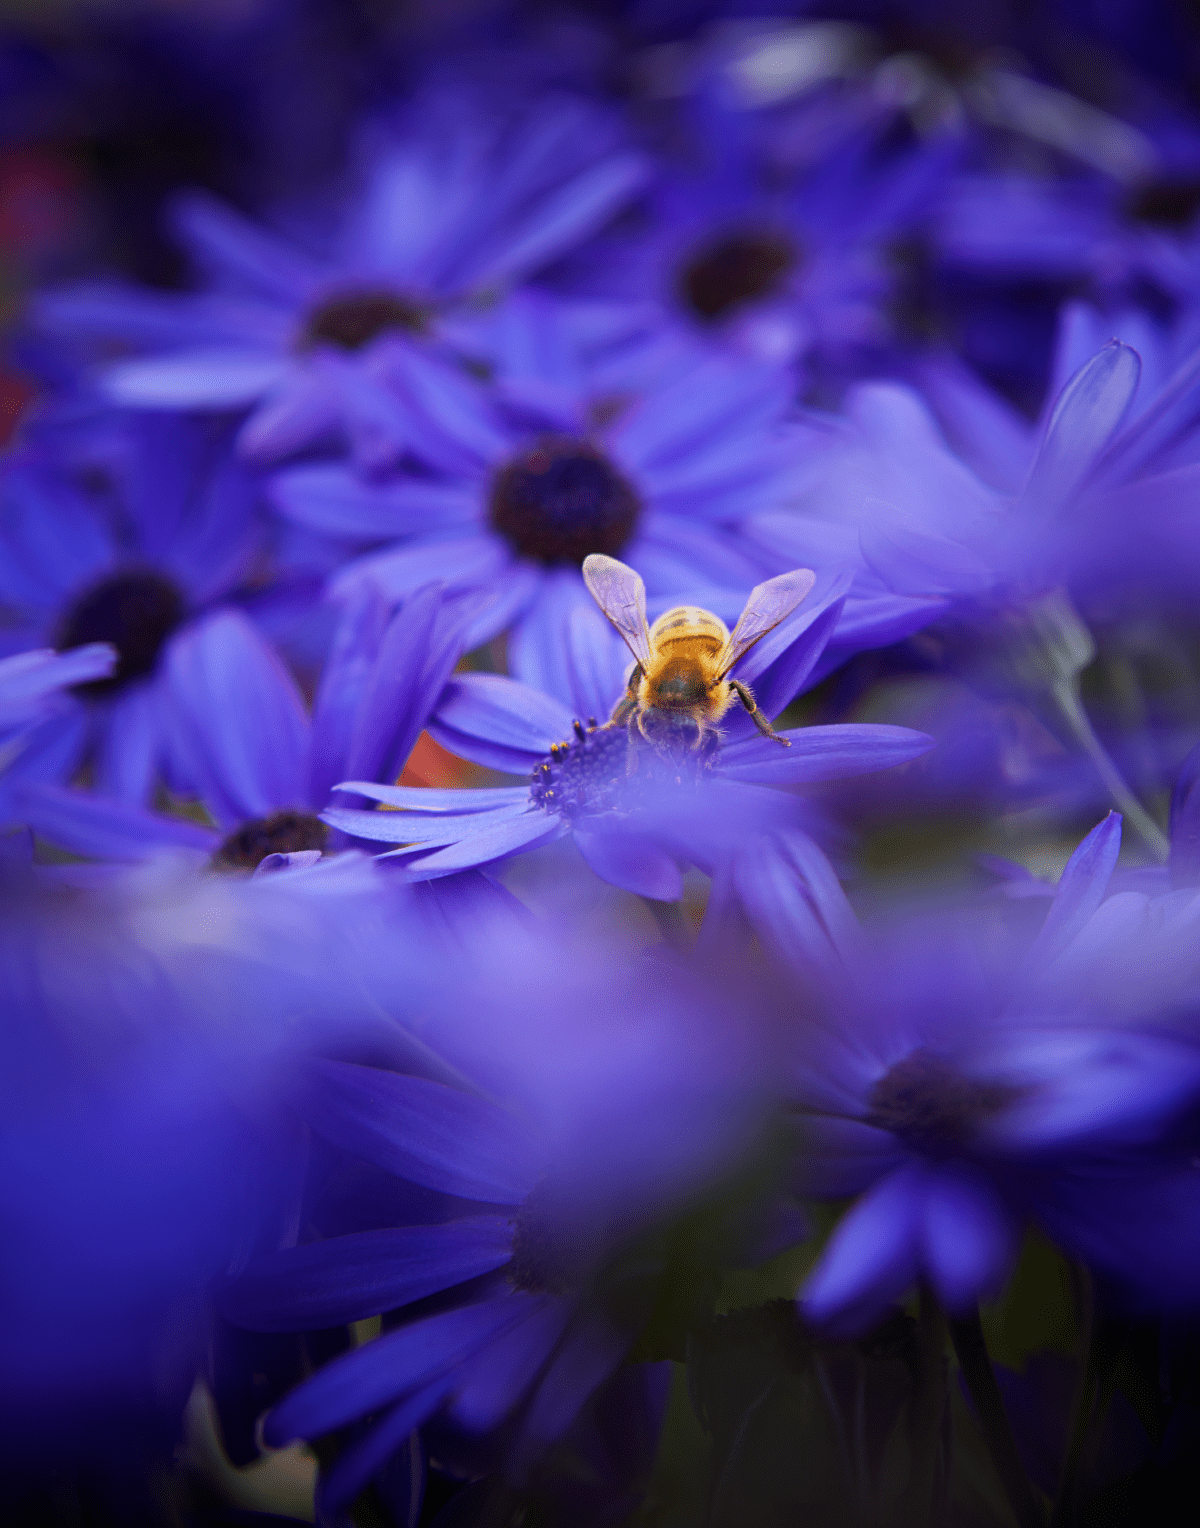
(562, 499)
(585, 775)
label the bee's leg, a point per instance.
(709, 746)
(756, 716)
(627, 705)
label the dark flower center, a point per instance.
(551, 1252)
(136, 611)
(932, 1108)
(561, 500)
(1165, 203)
(351, 320)
(282, 833)
(736, 269)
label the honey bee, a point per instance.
(679, 687)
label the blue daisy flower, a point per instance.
(161, 528)
(770, 262)
(244, 744)
(461, 200)
(962, 1080)
(630, 830)
(661, 469)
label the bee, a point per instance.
(679, 687)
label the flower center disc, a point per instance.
(351, 320)
(561, 500)
(932, 1108)
(586, 775)
(136, 612)
(735, 269)
(282, 833)
(1165, 203)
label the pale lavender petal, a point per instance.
(193, 379)
(420, 828)
(1081, 888)
(329, 499)
(427, 798)
(460, 563)
(497, 840)
(300, 406)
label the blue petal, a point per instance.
(348, 1278)
(302, 405)
(871, 1258)
(132, 745)
(357, 1462)
(499, 722)
(333, 501)
(430, 1134)
(969, 1240)
(420, 828)
(240, 719)
(588, 1355)
(193, 379)
(823, 753)
(1081, 888)
(101, 828)
(425, 798)
(501, 1374)
(230, 246)
(1086, 416)
(495, 841)
(467, 562)
(796, 903)
(374, 1375)
(632, 862)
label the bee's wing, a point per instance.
(621, 594)
(768, 604)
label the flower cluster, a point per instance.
(599, 731)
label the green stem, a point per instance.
(1071, 710)
(966, 1333)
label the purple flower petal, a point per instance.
(494, 841)
(872, 1257)
(414, 827)
(374, 1375)
(240, 719)
(632, 862)
(466, 562)
(132, 744)
(1086, 416)
(426, 798)
(354, 1466)
(194, 379)
(823, 753)
(499, 722)
(230, 246)
(300, 406)
(106, 829)
(1081, 888)
(329, 499)
(424, 1132)
(500, 1375)
(348, 1278)
(590, 1352)
(969, 1240)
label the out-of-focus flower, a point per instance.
(32, 689)
(543, 1265)
(631, 814)
(457, 203)
(244, 745)
(960, 1081)
(162, 527)
(661, 468)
